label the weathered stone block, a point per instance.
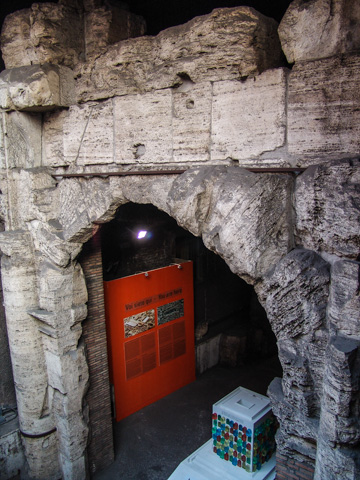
(32, 195)
(36, 88)
(144, 189)
(237, 214)
(48, 468)
(296, 293)
(105, 26)
(81, 204)
(327, 208)
(297, 428)
(324, 109)
(51, 245)
(320, 29)
(344, 301)
(337, 462)
(315, 352)
(341, 381)
(23, 131)
(44, 33)
(53, 141)
(226, 44)
(57, 287)
(143, 128)
(88, 134)
(191, 122)
(297, 382)
(2, 141)
(248, 118)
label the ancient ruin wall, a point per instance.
(183, 100)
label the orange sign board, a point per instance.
(150, 327)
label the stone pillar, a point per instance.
(7, 389)
(20, 293)
(337, 451)
(339, 433)
(62, 297)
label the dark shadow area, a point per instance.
(234, 347)
(224, 304)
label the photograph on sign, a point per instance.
(139, 323)
(170, 311)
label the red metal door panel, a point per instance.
(150, 325)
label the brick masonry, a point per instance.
(293, 469)
(100, 447)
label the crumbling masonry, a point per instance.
(211, 97)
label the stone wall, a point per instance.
(208, 97)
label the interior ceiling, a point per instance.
(161, 14)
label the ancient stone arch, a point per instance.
(80, 137)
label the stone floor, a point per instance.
(151, 443)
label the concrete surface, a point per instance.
(151, 443)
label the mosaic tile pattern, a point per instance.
(239, 445)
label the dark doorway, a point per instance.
(228, 315)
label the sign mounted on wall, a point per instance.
(150, 328)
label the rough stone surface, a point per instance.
(109, 24)
(328, 210)
(248, 118)
(60, 319)
(334, 463)
(340, 405)
(297, 382)
(320, 28)
(3, 149)
(296, 294)
(200, 122)
(44, 33)
(35, 198)
(88, 134)
(191, 121)
(226, 44)
(344, 301)
(20, 294)
(297, 432)
(82, 203)
(36, 88)
(53, 140)
(220, 204)
(56, 32)
(144, 189)
(182, 97)
(339, 424)
(12, 458)
(77, 197)
(324, 109)
(7, 391)
(134, 141)
(23, 140)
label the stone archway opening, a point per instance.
(232, 332)
(222, 300)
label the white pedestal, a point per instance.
(203, 464)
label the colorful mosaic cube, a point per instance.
(243, 429)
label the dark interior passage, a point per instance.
(234, 345)
(228, 315)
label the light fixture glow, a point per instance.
(141, 234)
